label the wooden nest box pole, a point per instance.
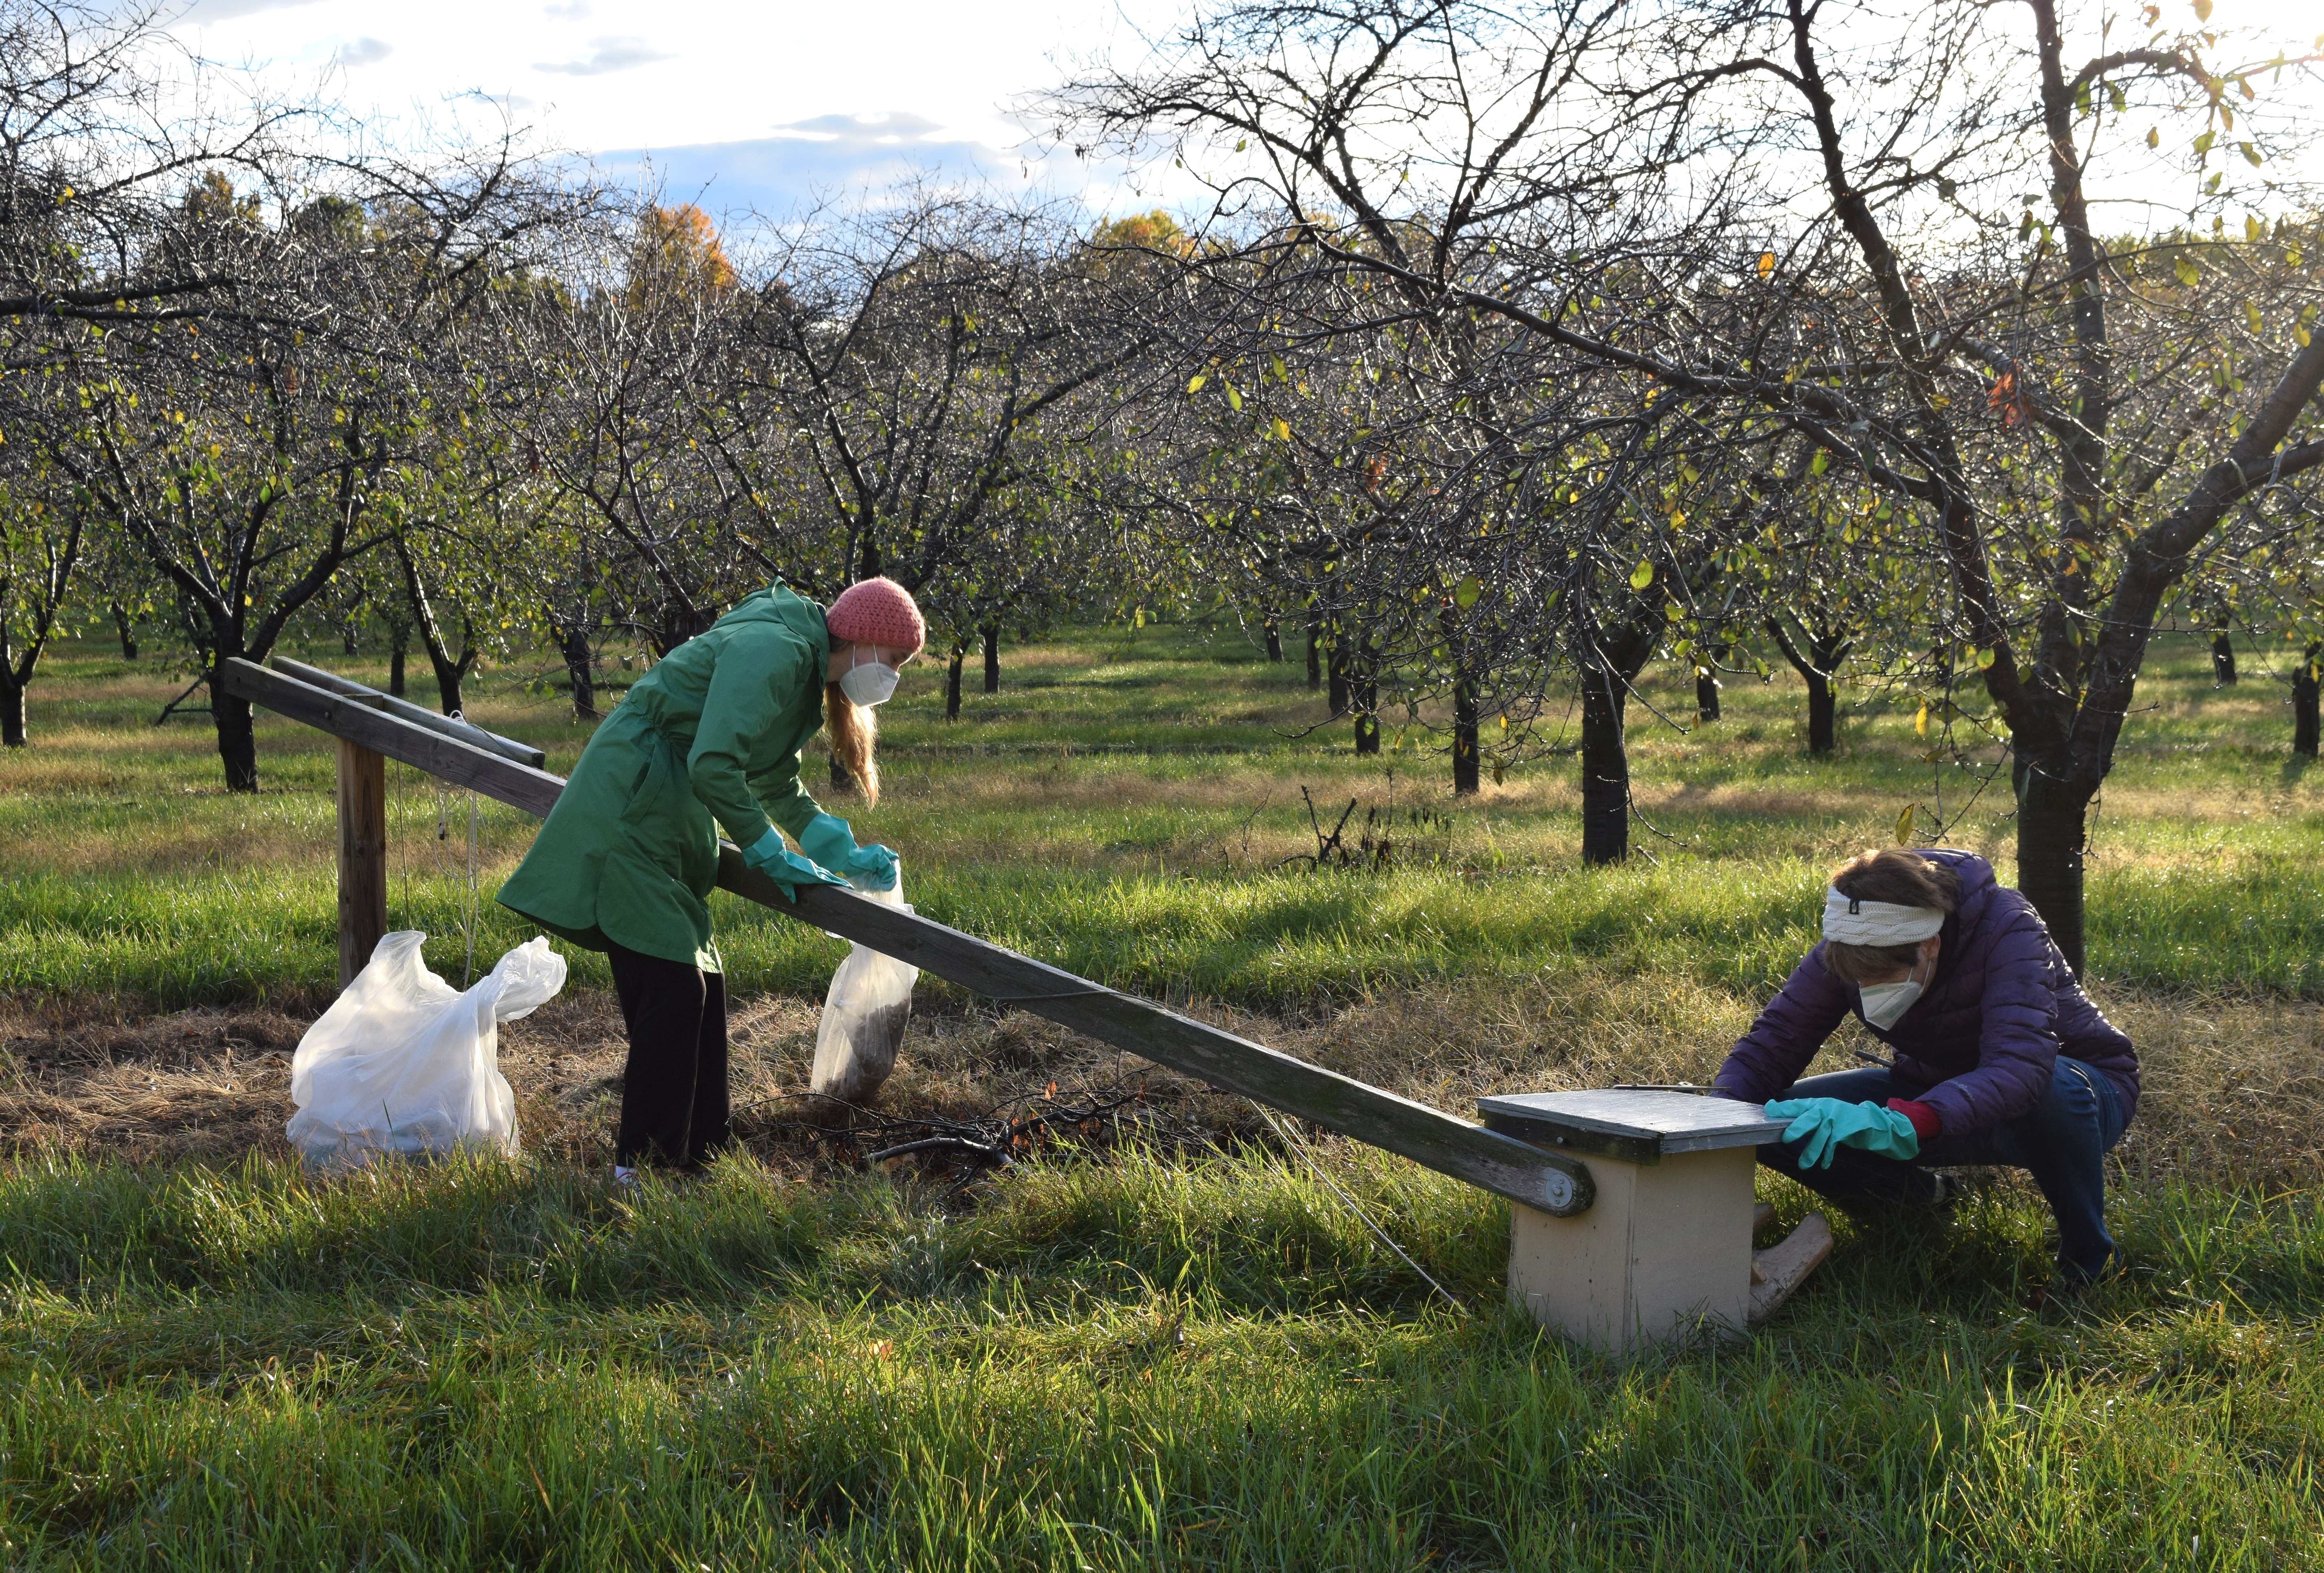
(363, 856)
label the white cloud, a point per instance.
(362, 51)
(607, 55)
(205, 11)
(570, 11)
(821, 155)
(889, 129)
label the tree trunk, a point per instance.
(1464, 737)
(237, 744)
(1706, 694)
(1817, 668)
(1339, 696)
(993, 660)
(2304, 685)
(399, 644)
(1314, 658)
(581, 671)
(1820, 712)
(952, 682)
(678, 625)
(2223, 659)
(1274, 642)
(1363, 693)
(449, 675)
(127, 628)
(12, 711)
(2051, 820)
(1605, 767)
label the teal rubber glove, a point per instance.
(829, 841)
(1826, 1124)
(787, 868)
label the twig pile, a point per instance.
(971, 1145)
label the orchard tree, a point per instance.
(926, 358)
(44, 535)
(1813, 212)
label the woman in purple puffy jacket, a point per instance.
(1999, 1056)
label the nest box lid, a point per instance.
(1635, 1125)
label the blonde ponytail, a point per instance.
(854, 732)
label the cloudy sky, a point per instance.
(749, 104)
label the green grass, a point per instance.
(1128, 1365)
(1134, 1361)
(1121, 808)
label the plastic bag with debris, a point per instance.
(864, 1015)
(403, 1063)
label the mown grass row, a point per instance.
(1086, 814)
(1135, 1364)
(2254, 925)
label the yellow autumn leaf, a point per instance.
(1767, 263)
(1194, 384)
(1642, 576)
(1921, 723)
(1282, 430)
(1905, 826)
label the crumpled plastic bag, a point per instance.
(403, 1063)
(864, 1015)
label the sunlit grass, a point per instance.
(1127, 1365)
(1134, 1362)
(1125, 807)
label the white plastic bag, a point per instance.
(404, 1062)
(863, 1016)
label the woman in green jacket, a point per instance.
(710, 739)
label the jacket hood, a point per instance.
(779, 606)
(1977, 881)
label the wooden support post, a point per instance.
(363, 856)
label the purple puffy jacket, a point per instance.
(1982, 1037)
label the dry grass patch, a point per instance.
(2233, 1088)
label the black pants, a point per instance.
(674, 1091)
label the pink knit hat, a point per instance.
(878, 612)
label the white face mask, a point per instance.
(868, 683)
(1885, 1004)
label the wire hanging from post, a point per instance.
(464, 882)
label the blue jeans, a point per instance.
(2061, 1141)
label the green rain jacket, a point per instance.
(630, 853)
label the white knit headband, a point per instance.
(1853, 921)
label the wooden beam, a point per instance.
(1550, 1181)
(363, 856)
(521, 786)
(419, 715)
